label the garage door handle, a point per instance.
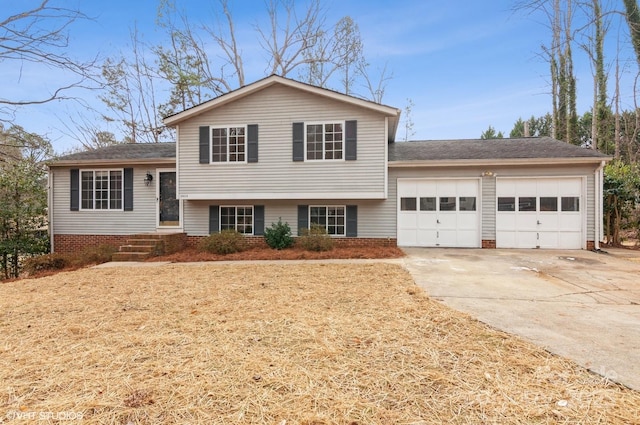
(438, 221)
(539, 222)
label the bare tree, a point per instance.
(39, 36)
(132, 95)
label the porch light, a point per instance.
(488, 174)
(148, 179)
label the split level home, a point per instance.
(281, 149)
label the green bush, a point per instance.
(227, 241)
(316, 239)
(46, 262)
(278, 236)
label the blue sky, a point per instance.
(465, 65)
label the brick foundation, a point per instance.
(591, 245)
(258, 241)
(74, 243)
(488, 244)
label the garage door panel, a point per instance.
(447, 213)
(546, 213)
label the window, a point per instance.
(427, 204)
(548, 203)
(507, 203)
(101, 189)
(407, 204)
(467, 203)
(447, 203)
(332, 218)
(237, 218)
(228, 144)
(527, 203)
(570, 203)
(324, 141)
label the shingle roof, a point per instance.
(124, 151)
(476, 149)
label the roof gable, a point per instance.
(392, 113)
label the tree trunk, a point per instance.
(633, 20)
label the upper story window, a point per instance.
(101, 189)
(228, 144)
(325, 141)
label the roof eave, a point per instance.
(110, 162)
(493, 162)
(267, 82)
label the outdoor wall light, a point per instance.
(148, 179)
(488, 174)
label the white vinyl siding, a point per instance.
(104, 222)
(275, 109)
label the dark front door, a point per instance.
(168, 204)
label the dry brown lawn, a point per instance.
(274, 344)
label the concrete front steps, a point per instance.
(144, 245)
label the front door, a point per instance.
(168, 203)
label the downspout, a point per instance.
(50, 209)
(599, 211)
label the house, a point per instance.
(279, 148)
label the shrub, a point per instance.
(45, 262)
(227, 241)
(94, 255)
(278, 236)
(316, 239)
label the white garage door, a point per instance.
(539, 213)
(442, 213)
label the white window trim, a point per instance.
(344, 207)
(306, 124)
(246, 144)
(93, 170)
(253, 218)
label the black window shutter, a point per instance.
(128, 189)
(204, 145)
(298, 141)
(258, 220)
(351, 140)
(352, 221)
(75, 190)
(252, 143)
(214, 219)
(303, 218)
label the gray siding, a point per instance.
(275, 109)
(370, 214)
(104, 222)
(488, 223)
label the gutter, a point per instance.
(110, 162)
(494, 162)
(599, 205)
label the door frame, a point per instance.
(157, 208)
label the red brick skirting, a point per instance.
(488, 244)
(591, 245)
(74, 243)
(258, 241)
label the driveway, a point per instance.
(578, 304)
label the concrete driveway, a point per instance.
(578, 304)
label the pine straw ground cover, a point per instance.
(274, 344)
